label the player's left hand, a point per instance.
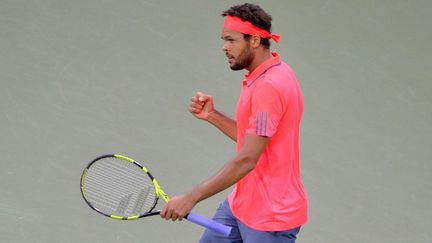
(177, 207)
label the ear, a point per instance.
(255, 41)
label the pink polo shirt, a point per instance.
(271, 197)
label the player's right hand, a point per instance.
(201, 106)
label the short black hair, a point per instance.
(253, 14)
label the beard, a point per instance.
(243, 60)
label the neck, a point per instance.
(260, 57)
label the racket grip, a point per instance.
(209, 224)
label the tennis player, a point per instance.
(268, 202)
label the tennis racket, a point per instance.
(120, 188)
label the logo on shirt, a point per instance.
(261, 123)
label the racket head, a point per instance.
(120, 188)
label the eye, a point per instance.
(227, 38)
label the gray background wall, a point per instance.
(84, 78)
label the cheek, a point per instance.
(240, 52)
(236, 50)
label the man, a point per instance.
(268, 203)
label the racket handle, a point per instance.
(209, 224)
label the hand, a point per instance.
(178, 207)
(201, 106)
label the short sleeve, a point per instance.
(266, 110)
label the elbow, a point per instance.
(247, 163)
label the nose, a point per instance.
(225, 46)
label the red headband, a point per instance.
(245, 27)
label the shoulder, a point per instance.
(281, 77)
(280, 73)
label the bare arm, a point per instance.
(202, 107)
(235, 169)
(225, 124)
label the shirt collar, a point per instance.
(262, 68)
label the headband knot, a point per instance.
(246, 27)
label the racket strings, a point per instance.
(118, 187)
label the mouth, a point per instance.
(230, 57)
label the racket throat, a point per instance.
(159, 191)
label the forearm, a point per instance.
(234, 170)
(227, 176)
(225, 124)
(179, 206)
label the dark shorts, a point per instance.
(242, 233)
